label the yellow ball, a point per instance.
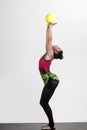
(50, 19)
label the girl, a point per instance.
(50, 80)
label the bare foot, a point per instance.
(47, 127)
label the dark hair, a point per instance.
(58, 55)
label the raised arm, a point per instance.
(49, 48)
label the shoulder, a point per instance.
(48, 57)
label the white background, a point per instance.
(22, 42)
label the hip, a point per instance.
(46, 76)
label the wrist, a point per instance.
(49, 25)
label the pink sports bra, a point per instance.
(44, 65)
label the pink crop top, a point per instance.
(44, 64)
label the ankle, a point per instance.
(51, 125)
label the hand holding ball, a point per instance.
(50, 19)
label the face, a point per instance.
(56, 49)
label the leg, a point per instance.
(46, 95)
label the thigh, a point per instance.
(47, 76)
(45, 94)
(48, 90)
(52, 84)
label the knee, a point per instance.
(42, 102)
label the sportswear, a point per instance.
(44, 68)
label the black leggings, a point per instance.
(47, 93)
